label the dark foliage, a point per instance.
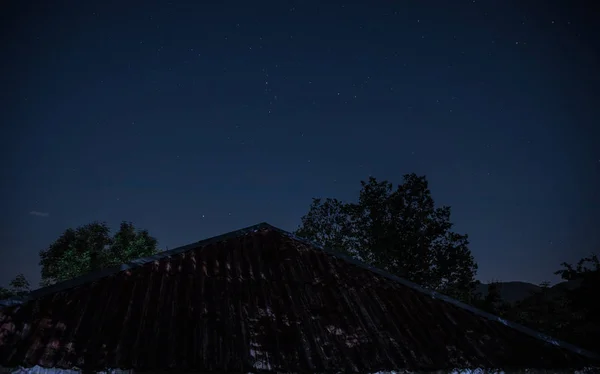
(570, 313)
(90, 247)
(18, 287)
(399, 230)
(584, 327)
(492, 302)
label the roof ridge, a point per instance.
(263, 225)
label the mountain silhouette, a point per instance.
(517, 291)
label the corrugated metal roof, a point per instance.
(261, 299)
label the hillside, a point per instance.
(517, 291)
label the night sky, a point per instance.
(196, 119)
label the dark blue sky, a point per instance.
(193, 119)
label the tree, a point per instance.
(492, 301)
(586, 276)
(400, 231)
(582, 272)
(567, 311)
(582, 301)
(18, 287)
(544, 310)
(90, 247)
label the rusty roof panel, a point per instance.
(259, 301)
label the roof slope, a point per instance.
(262, 299)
